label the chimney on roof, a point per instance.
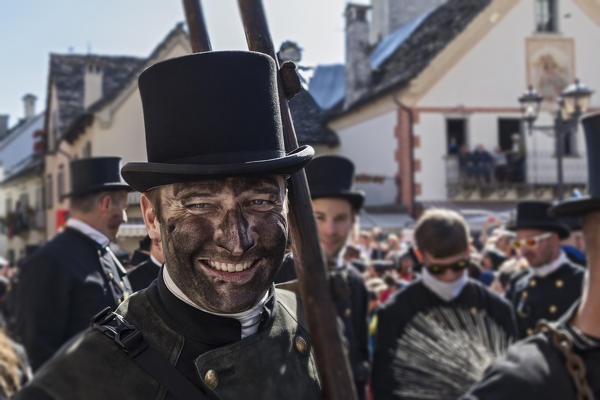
(3, 125)
(358, 67)
(391, 15)
(289, 51)
(29, 103)
(92, 81)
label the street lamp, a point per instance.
(530, 106)
(573, 102)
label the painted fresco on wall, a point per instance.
(550, 67)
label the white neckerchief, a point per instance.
(549, 268)
(249, 319)
(446, 290)
(88, 231)
(155, 261)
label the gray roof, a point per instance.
(308, 121)
(327, 85)
(32, 163)
(415, 52)
(67, 72)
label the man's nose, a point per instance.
(234, 234)
(124, 216)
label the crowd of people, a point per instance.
(210, 310)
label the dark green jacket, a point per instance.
(266, 365)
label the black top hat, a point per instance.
(591, 202)
(96, 174)
(534, 215)
(333, 176)
(212, 114)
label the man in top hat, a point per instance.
(405, 367)
(76, 274)
(336, 204)
(214, 193)
(142, 275)
(561, 361)
(553, 282)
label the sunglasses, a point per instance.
(438, 269)
(531, 242)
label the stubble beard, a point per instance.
(182, 252)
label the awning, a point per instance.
(132, 230)
(385, 221)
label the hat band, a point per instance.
(228, 158)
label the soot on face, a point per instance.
(190, 241)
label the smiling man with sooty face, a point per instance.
(212, 325)
(223, 240)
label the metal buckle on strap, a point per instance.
(126, 335)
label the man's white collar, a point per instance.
(249, 319)
(549, 268)
(88, 230)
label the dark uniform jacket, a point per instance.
(63, 285)
(535, 369)
(277, 362)
(352, 309)
(535, 298)
(142, 275)
(416, 298)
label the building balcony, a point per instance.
(533, 178)
(22, 221)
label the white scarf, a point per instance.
(249, 319)
(445, 290)
(549, 268)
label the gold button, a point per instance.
(559, 283)
(110, 276)
(99, 253)
(529, 331)
(119, 301)
(301, 345)
(122, 284)
(553, 309)
(211, 379)
(524, 294)
(533, 283)
(473, 311)
(348, 312)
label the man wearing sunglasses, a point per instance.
(442, 237)
(552, 283)
(561, 361)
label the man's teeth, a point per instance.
(229, 267)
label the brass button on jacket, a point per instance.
(301, 345)
(211, 379)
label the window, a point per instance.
(507, 127)
(60, 184)
(570, 144)
(49, 191)
(455, 135)
(87, 150)
(545, 16)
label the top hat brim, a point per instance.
(104, 187)
(575, 207)
(356, 198)
(145, 176)
(562, 231)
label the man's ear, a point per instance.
(150, 217)
(105, 202)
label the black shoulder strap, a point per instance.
(131, 341)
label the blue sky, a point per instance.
(31, 29)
